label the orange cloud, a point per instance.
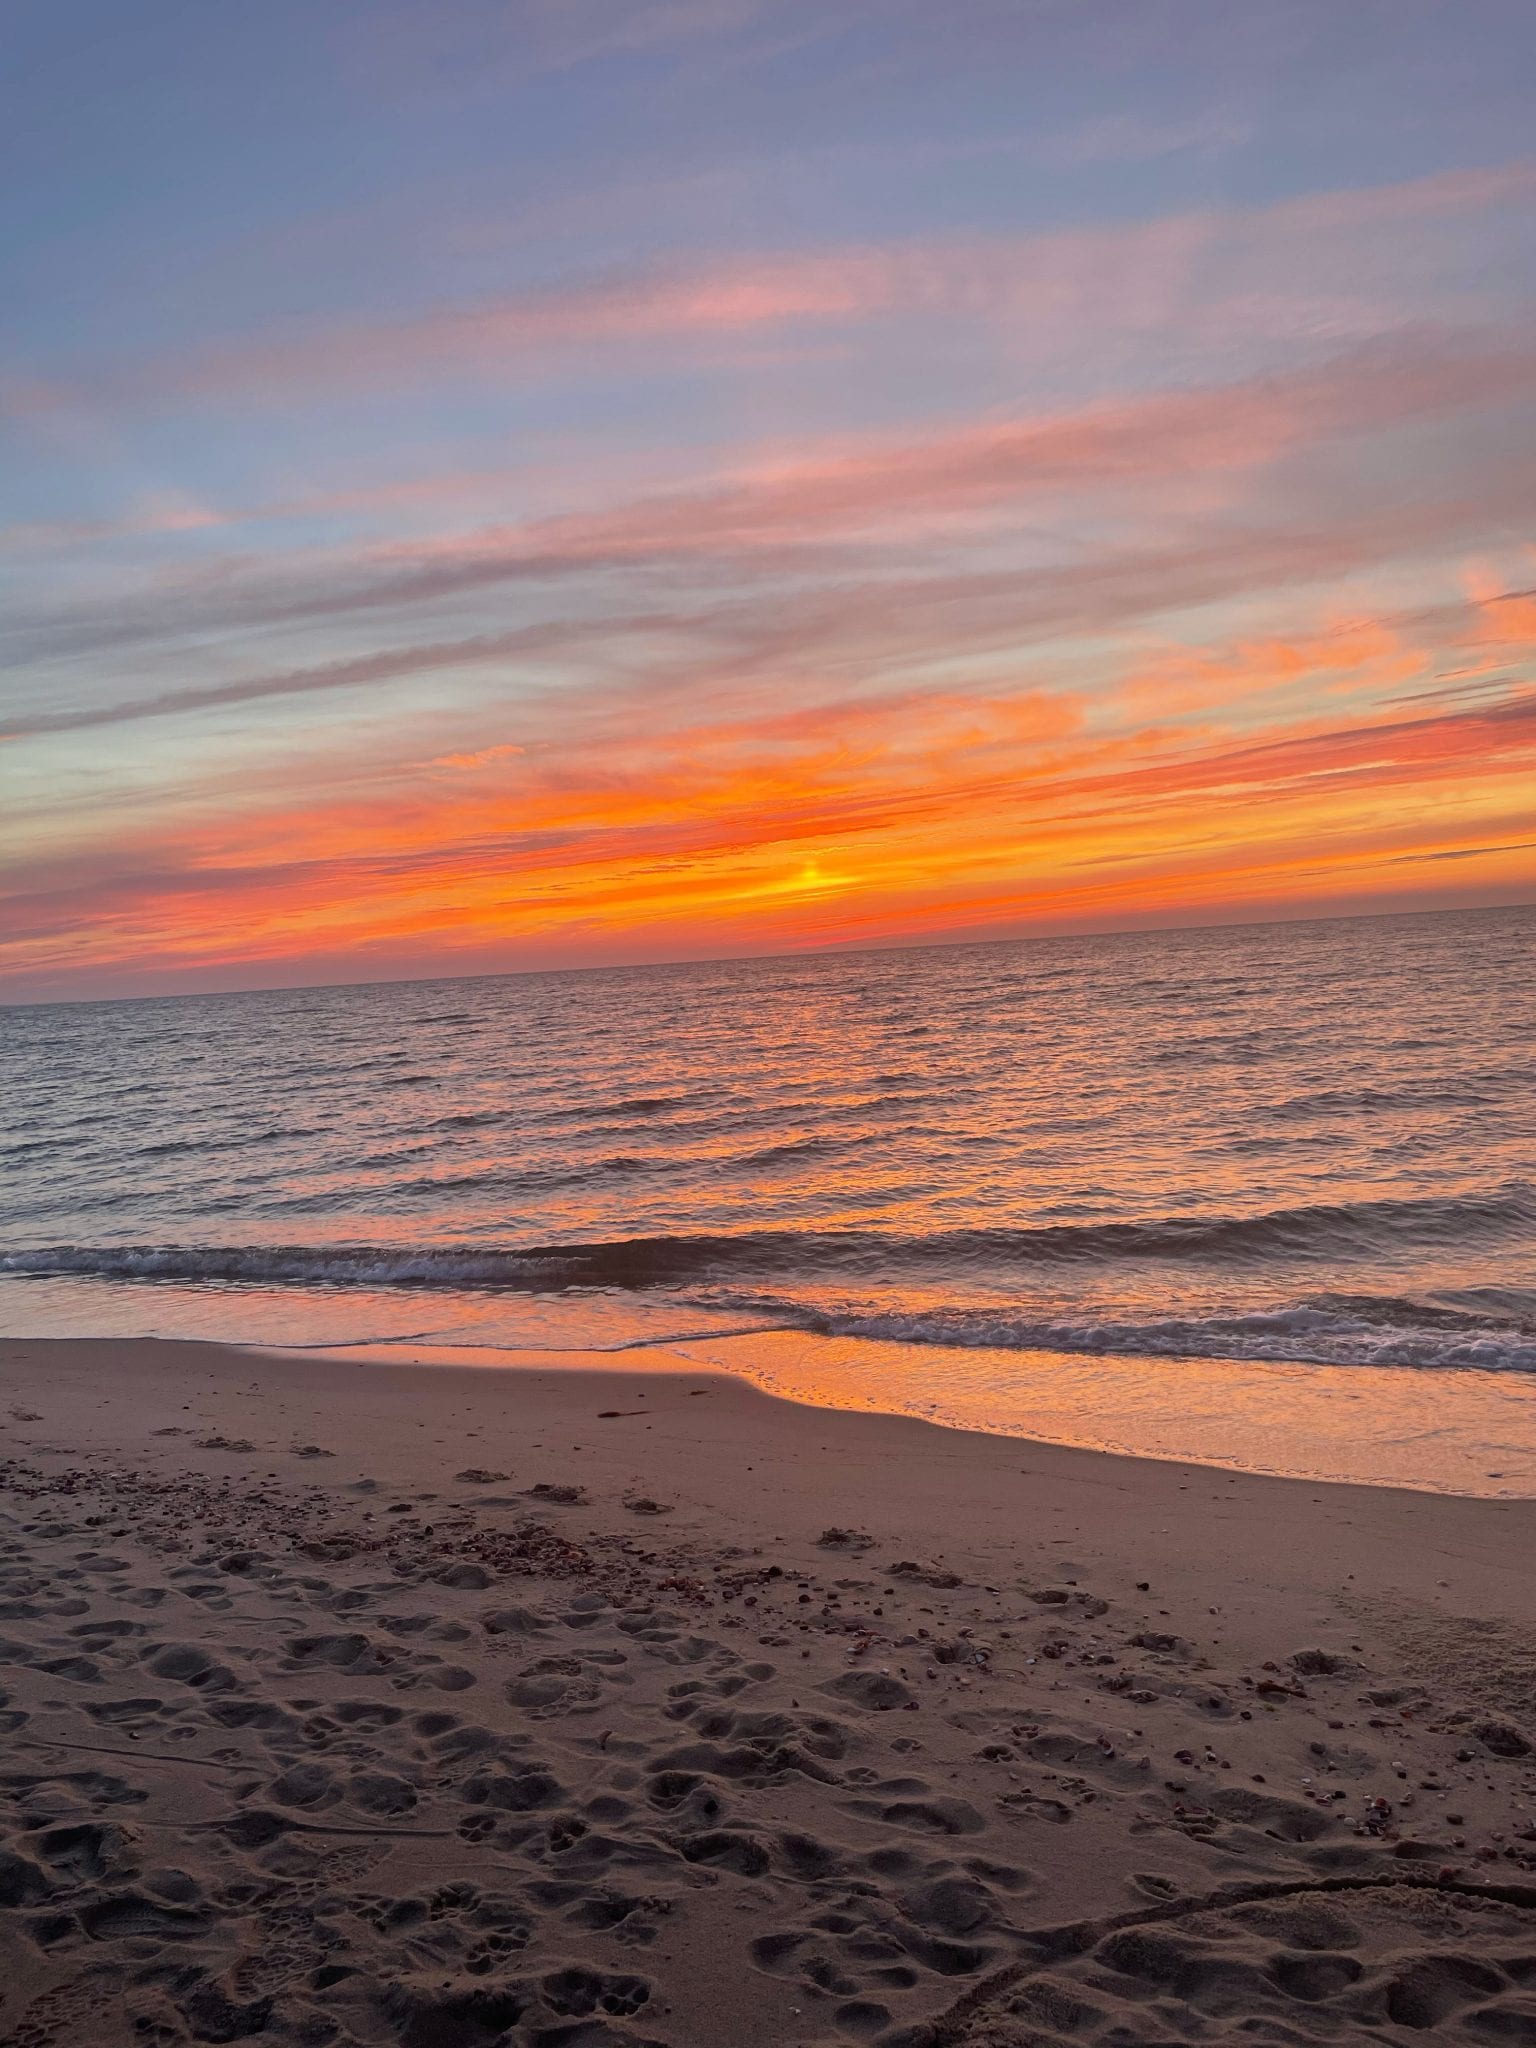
(923, 812)
(483, 757)
(1506, 618)
(1354, 656)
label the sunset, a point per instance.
(624, 459)
(767, 987)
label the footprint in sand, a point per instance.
(1312, 1966)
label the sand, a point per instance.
(363, 1703)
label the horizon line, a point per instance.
(920, 945)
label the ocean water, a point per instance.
(1304, 1145)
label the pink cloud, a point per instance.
(1299, 266)
(870, 500)
(159, 512)
(482, 757)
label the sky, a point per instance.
(495, 484)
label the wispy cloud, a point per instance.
(482, 757)
(1303, 265)
(386, 665)
(459, 48)
(1135, 138)
(855, 494)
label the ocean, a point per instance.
(1162, 1176)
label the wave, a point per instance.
(629, 1105)
(1392, 1334)
(788, 1152)
(1497, 1335)
(289, 1265)
(1335, 1231)
(1353, 1102)
(1503, 1301)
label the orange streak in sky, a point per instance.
(919, 813)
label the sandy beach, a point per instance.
(365, 1703)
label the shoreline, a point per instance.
(1465, 1430)
(1361, 1425)
(403, 1699)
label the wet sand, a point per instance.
(379, 1703)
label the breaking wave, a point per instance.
(1324, 1230)
(1304, 1333)
(922, 1288)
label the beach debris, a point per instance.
(1376, 1819)
(1276, 1688)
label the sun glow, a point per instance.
(677, 574)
